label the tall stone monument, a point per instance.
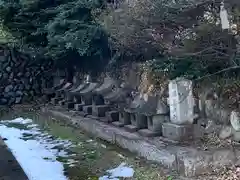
(181, 101)
(181, 104)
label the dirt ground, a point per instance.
(9, 167)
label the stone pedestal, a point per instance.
(154, 125)
(86, 100)
(69, 96)
(87, 109)
(112, 116)
(69, 105)
(124, 119)
(100, 110)
(62, 102)
(97, 100)
(138, 121)
(177, 132)
(155, 122)
(79, 107)
(54, 101)
(77, 99)
(58, 94)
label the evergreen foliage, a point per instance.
(62, 30)
(180, 33)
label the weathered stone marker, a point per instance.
(181, 104)
(181, 101)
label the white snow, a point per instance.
(122, 171)
(90, 140)
(20, 121)
(36, 155)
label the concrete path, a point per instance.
(9, 167)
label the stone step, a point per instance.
(103, 119)
(92, 117)
(62, 102)
(87, 109)
(78, 107)
(131, 128)
(81, 113)
(112, 116)
(70, 105)
(117, 124)
(55, 101)
(177, 132)
(100, 110)
(148, 133)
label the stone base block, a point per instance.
(124, 118)
(117, 124)
(81, 113)
(69, 97)
(48, 97)
(54, 101)
(62, 102)
(139, 121)
(103, 119)
(131, 128)
(177, 132)
(112, 116)
(59, 95)
(98, 100)
(93, 117)
(77, 99)
(100, 110)
(78, 107)
(86, 100)
(87, 109)
(155, 123)
(148, 133)
(70, 105)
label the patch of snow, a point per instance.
(71, 162)
(122, 171)
(32, 126)
(103, 146)
(62, 153)
(20, 121)
(121, 156)
(107, 178)
(37, 151)
(31, 155)
(90, 140)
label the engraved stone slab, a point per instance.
(181, 101)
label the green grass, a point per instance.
(93, 158)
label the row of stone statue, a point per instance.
(117, 103)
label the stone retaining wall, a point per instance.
(20, 76)
(188, 161)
